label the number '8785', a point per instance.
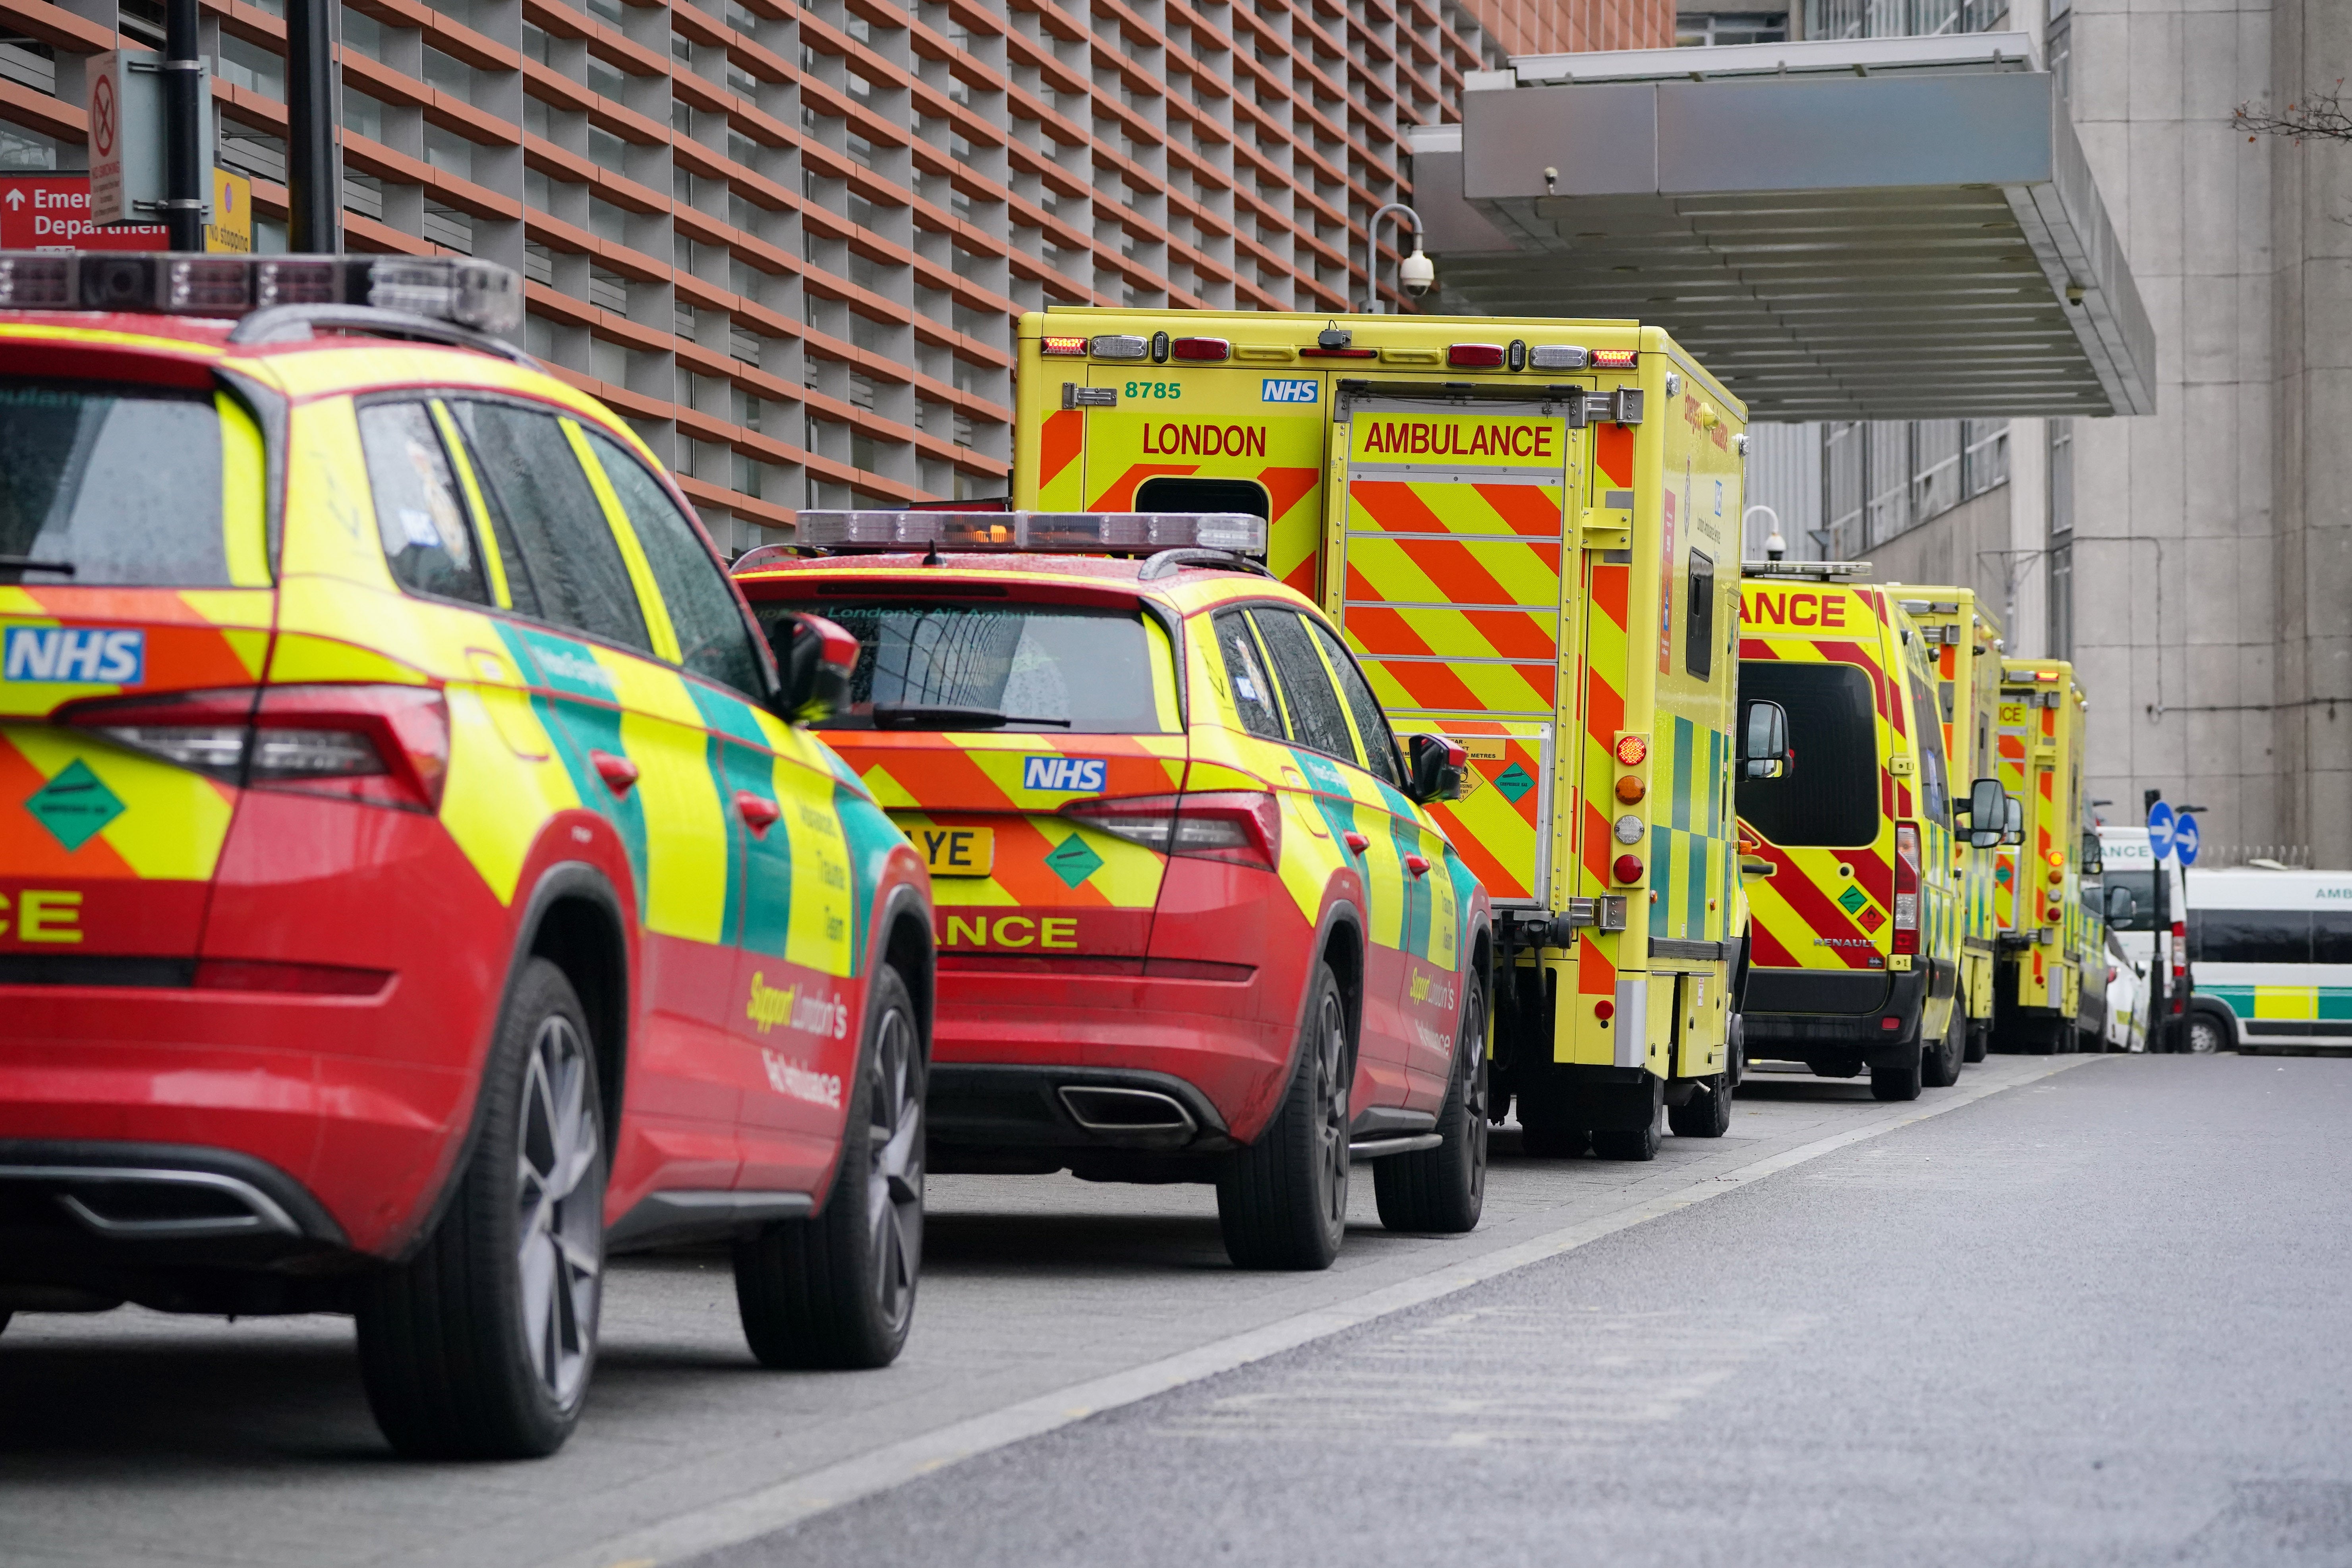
(1165, 391)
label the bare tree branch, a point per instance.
(2317, 117)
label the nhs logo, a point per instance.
(80, 653)
(1069, 775)
(1278, 390)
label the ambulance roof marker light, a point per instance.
(1556, 357)
(1071, 348)
(1201, 349)
(1475, 356)
(1335, 342)
(1615, 359)
(1119, 346)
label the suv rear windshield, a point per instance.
(123, 486)
(1053, 669)
(1830, 795)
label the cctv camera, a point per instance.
(1416, 273)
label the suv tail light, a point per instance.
(385, 745)
(1906, 888)
(1241, 827)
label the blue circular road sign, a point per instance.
(2184, 838)
(2159, 830)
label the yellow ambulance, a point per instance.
(2041, 1002)
(1964, 644)
(1525, 530)
(1856, 927)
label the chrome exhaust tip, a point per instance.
(1106, 1110)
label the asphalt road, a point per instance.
(2082, 1315)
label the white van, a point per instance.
(2271, 955)
(2127, 874)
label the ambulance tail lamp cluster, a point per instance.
(379, 744)
(477, 295)
(1071, 533)
(1239, 827)
(1906, 888)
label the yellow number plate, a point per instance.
(957, 852)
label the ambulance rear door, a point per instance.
(1449, 567)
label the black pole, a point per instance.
(2159, 1022)
(314, 203)
(185, 153)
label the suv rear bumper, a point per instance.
(325, 1092)
(1218, 1048)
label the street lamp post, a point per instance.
(185, 153)
(314, 203)
(1415, 275)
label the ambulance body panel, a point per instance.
(2045, 929)
(1964, 643)
(1536, 563)
(1855, 945)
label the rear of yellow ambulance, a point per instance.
(1837, 978)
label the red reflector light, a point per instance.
(1631, 751)
(310, 979)
(1075, 347)
(1200, 349)
(1614, 359)
(1475, 356)
(1626, 868)
(1889, 1024)
(1604, 1010)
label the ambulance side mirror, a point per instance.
(2013, 822)
(1437, 764)
(1988, 812)
(1764, 741)
(815, 659)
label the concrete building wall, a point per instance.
(2311, 184)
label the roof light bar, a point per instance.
(1071, 533)
(1819, 570)
(477, 295)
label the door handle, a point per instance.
(1417, 864)
(1357, 843)
(617, 772)
(758, 812)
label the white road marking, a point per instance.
(788, 1503)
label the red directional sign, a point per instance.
(51, 212)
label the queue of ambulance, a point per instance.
(429, 870)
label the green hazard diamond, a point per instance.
(1851, 900)
(74, 805)
(1514, 781)
(1072, 860)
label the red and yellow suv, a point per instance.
(1194, 922)
(416, 877)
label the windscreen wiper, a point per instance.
(943, 716)
(23, 563)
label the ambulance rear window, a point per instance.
(118, 486)
(1830, 795)
(1044, 669)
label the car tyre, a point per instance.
(480, 1346)
(1707, 1113)
(1940, 1069)
(836, 1290)
(1635, 1144)
(1898, 1081)
(2205, 1034)
(1442, 1191)
(1282, 1203)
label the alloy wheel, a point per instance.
(1331, 1095)
(559, 1204)
(894, 1187)
(1475, 1090)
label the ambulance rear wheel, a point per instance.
(1940, 1068)
(1441, 1191)
(1979, 1041)
(1541, 1141)
(1899, 1080)
(2205, 1034)
(1282, 1203)
(1626, 1143)
(1707, 1113)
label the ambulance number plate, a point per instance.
(957, 852)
